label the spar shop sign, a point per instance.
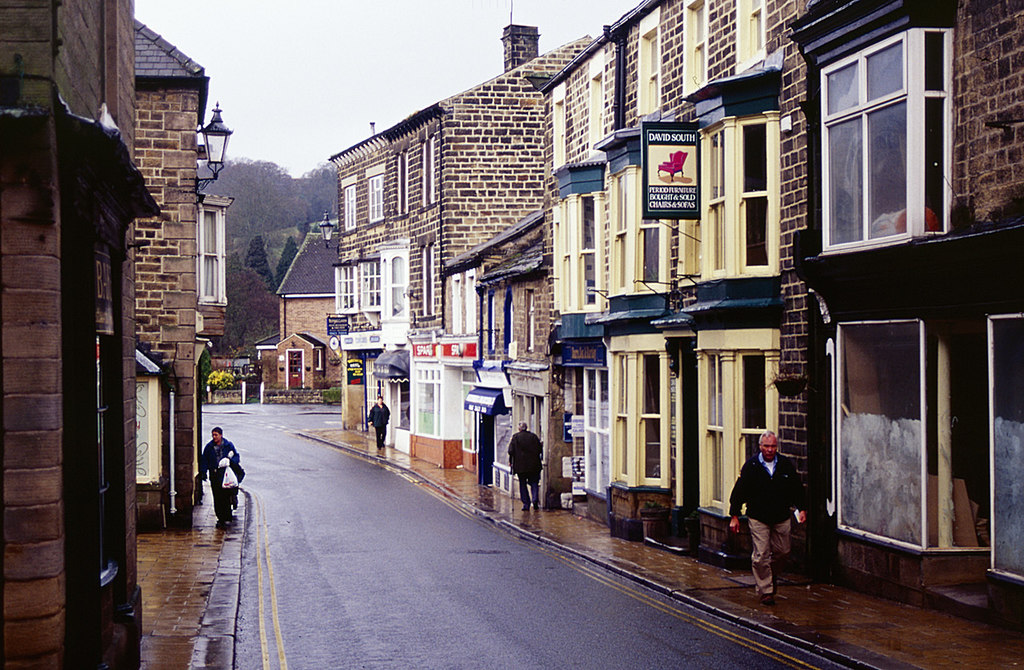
(671, 170)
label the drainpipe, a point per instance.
(171, 454)
(619, 97)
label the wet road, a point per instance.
(349, 565)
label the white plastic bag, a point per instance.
(230, 479)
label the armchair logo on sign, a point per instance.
(671, 170)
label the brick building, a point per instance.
(306, 299)
(411, 198)
(69, 193)
(181, 295)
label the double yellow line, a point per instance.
(263, 556)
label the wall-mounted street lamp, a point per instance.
(215, 138)
(327, 229)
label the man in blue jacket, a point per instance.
(379, 416)
(770, 487)
(218, 455)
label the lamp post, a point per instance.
(327, 229)
(215, 139)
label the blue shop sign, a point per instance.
(583, 354)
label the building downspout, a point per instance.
(440, 220)
(619, 91)
(173, 491)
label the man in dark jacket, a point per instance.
(218, 455)
(379, 417)
(524, 456)
(770, 487)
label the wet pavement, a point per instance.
(189, 612)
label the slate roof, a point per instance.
(156, 57)
(158, 62)
(312, 270)
(473, 256)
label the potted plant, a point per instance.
(790, 384)
(654, 517)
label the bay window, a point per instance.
(345, 294)
(741, 236)
(369, 273)
(641, 433)
(738, 405)
(885, 113)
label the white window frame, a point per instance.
(458, 306)
(392, 290)
(346, 300)
(212, 253)
(531, 320)
(427, 181)
(695, 64)
(427, 259)
(351, 207)
(403, 182)
(751, 32)
(369, 286)
(469, 286)
(558, 113)
(428, 376)
(913, 94)
(596, 102)
(597, 440)
(376, 186)
(650, 60)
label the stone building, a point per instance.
(914, 220)
(69, 190)
(412, 197)
(512, 380)
(672, 331)
(181, 295)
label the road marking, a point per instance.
(602, 576)
(263, 544)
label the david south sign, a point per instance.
(671, 170)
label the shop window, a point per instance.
(913, 420)
(428, 401)
(885, 180)
(650, 416)
(597, 435)
(1006, 336)
(640, 429)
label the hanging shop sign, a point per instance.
(670, 161)
(337, 324)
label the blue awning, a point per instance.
(486, 401)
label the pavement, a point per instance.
(190, 586)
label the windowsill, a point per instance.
(908, 548)
(213, 302)
(881, 243)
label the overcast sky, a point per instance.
(301, 80)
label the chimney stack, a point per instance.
(521, 45)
